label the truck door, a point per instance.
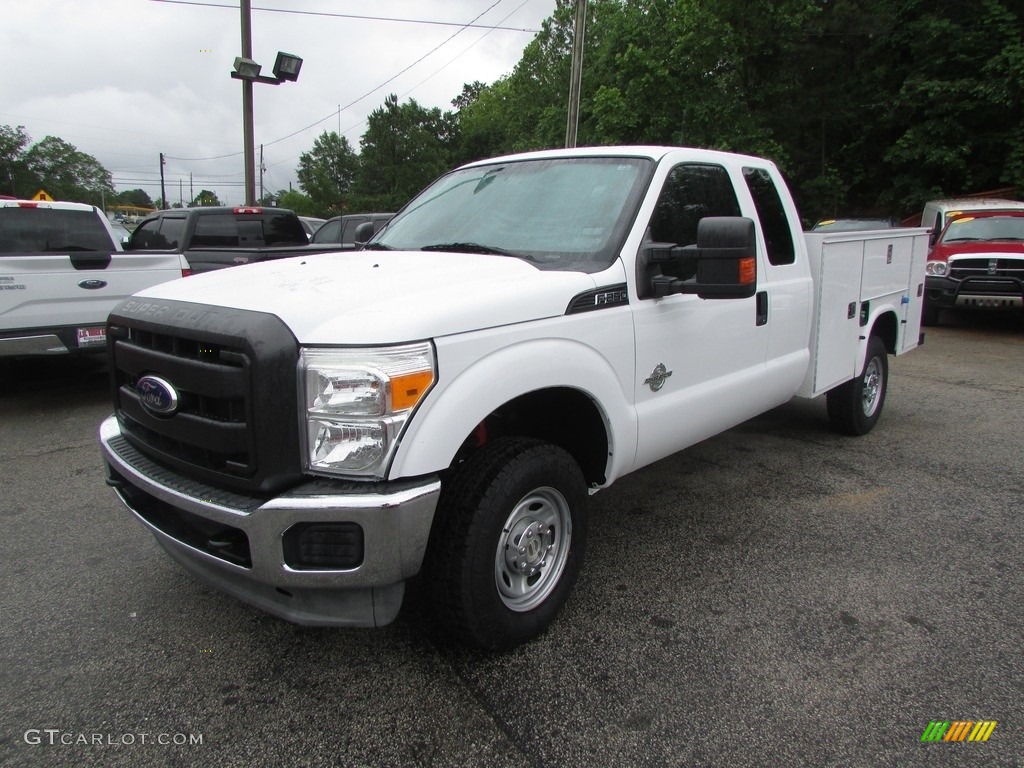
(784, 281)
(700, 364)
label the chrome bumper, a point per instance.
(395, 520)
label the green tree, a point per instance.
(293, 200)
(870, 106)
(205, 198)
(326, 173)
(14, 176)
(404, 148)
(953, 120)
(66, 173)
(138, 197)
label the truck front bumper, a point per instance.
(996, 293)
(270, 552)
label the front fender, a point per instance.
(480, 384)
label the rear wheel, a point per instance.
(508, 542)
(855, 406)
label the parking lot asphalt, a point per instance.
(778, 595)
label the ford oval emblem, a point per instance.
(157, 395)
(92, 285)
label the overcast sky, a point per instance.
(125, 80)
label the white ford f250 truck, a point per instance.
(308, 434)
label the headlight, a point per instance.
(357, 402)
(935, 268)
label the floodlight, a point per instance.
(246, 69)
(287, 66)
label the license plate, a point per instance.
(92, 337)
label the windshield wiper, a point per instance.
(377, 247)
(475, 248)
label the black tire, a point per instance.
(514, 497)
(854, 407)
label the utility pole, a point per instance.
(576, 75)
(247, 118)
(262, 169)
(181, 196)
(163, 190)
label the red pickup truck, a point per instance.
(977, 262)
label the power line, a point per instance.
(421, 82)
(200, 159)
(355, 16)
(390, 79)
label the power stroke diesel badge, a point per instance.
(157, 395)
(657, 378)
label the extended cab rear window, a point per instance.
(163, 234)
(778, 237)
(49, 230)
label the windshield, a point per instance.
(562, 213)
(968, 228)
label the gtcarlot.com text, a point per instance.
(55, 737)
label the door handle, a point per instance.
(762, 308)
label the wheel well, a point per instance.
(886, 328)
(561, 416)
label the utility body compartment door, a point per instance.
(858, 276)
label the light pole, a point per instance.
(286, 69)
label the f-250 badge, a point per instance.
(657, 378)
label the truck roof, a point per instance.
(60, 206)
(652, 152)
(212, 210)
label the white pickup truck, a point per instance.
(310, 433)
(62, 270)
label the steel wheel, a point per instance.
(872, 387)
(855, 406)
(532, 549)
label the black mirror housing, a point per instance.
(363, 233)
(726, 258)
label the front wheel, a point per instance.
(854, 407)
(508, 542)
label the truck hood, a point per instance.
(378, 297)
(990, 249)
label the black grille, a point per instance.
(236, 422)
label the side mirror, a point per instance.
(726, 258)
(363, 234)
